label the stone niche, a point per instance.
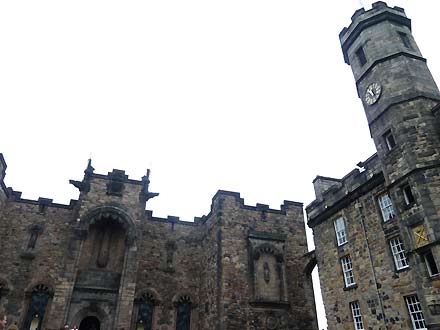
(104, 247)
(105, 234)
(267, 268)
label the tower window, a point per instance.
(389, 140)
(386, 207)
(341, 233)
(408, 195)
(431, 264)
(347, 269)
(399, 254)
(183, 318)
(415, 311)
(361, 56)
(357, 316)
(405, 40)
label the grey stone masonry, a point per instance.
(105, 258)
(377, 230)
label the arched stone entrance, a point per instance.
(90, 323)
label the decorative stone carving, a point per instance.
(267, 267)
(35, 231)
(170, 251)
(272, 322)
(266, 272)
(105, 239)
(115, 185)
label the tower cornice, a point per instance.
(369, 18)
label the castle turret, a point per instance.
(401, 100)
(377, 229)
(396, 87)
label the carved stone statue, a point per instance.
(266, 271)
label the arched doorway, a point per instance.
(90, 323)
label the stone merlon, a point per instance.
(362, 19)
(333, 194)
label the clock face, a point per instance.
(420, 237)
(372, 93)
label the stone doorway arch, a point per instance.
(90, 323)
(85, 316)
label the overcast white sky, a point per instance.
(248, 96)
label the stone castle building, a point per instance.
(104, 262)
(377, 230)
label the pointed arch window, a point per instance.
(183, 317)
(145, 312)
(37, 307)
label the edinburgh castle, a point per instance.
(105, 262)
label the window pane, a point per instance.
(386, 207)
(341, 234)
(347, 269)
(357, 317)
(399, 254)
(431, 264)
(415, 312)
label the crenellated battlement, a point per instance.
(116, 184)
(363, 19)
(332, 194)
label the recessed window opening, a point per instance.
(361, 56)
(405, 40)
(386, 207)
(357, 316)
(389, 140)
(341, 233)
(399, 254)
(415, 312)
(431, 264)
(347, 269)
(408, 195)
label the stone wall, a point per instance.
(380, 288)
(33, 246)
(102, 255)
(284, 231)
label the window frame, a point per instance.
(408, 195)
(357, 315)
(390, 141)
(404, 37)
(399, 254)
(387, 215)
(428, 264)
(415, 310)
(347, 271)
(361, 57)
(341, 233)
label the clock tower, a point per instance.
(402, 105)
(397, 90)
